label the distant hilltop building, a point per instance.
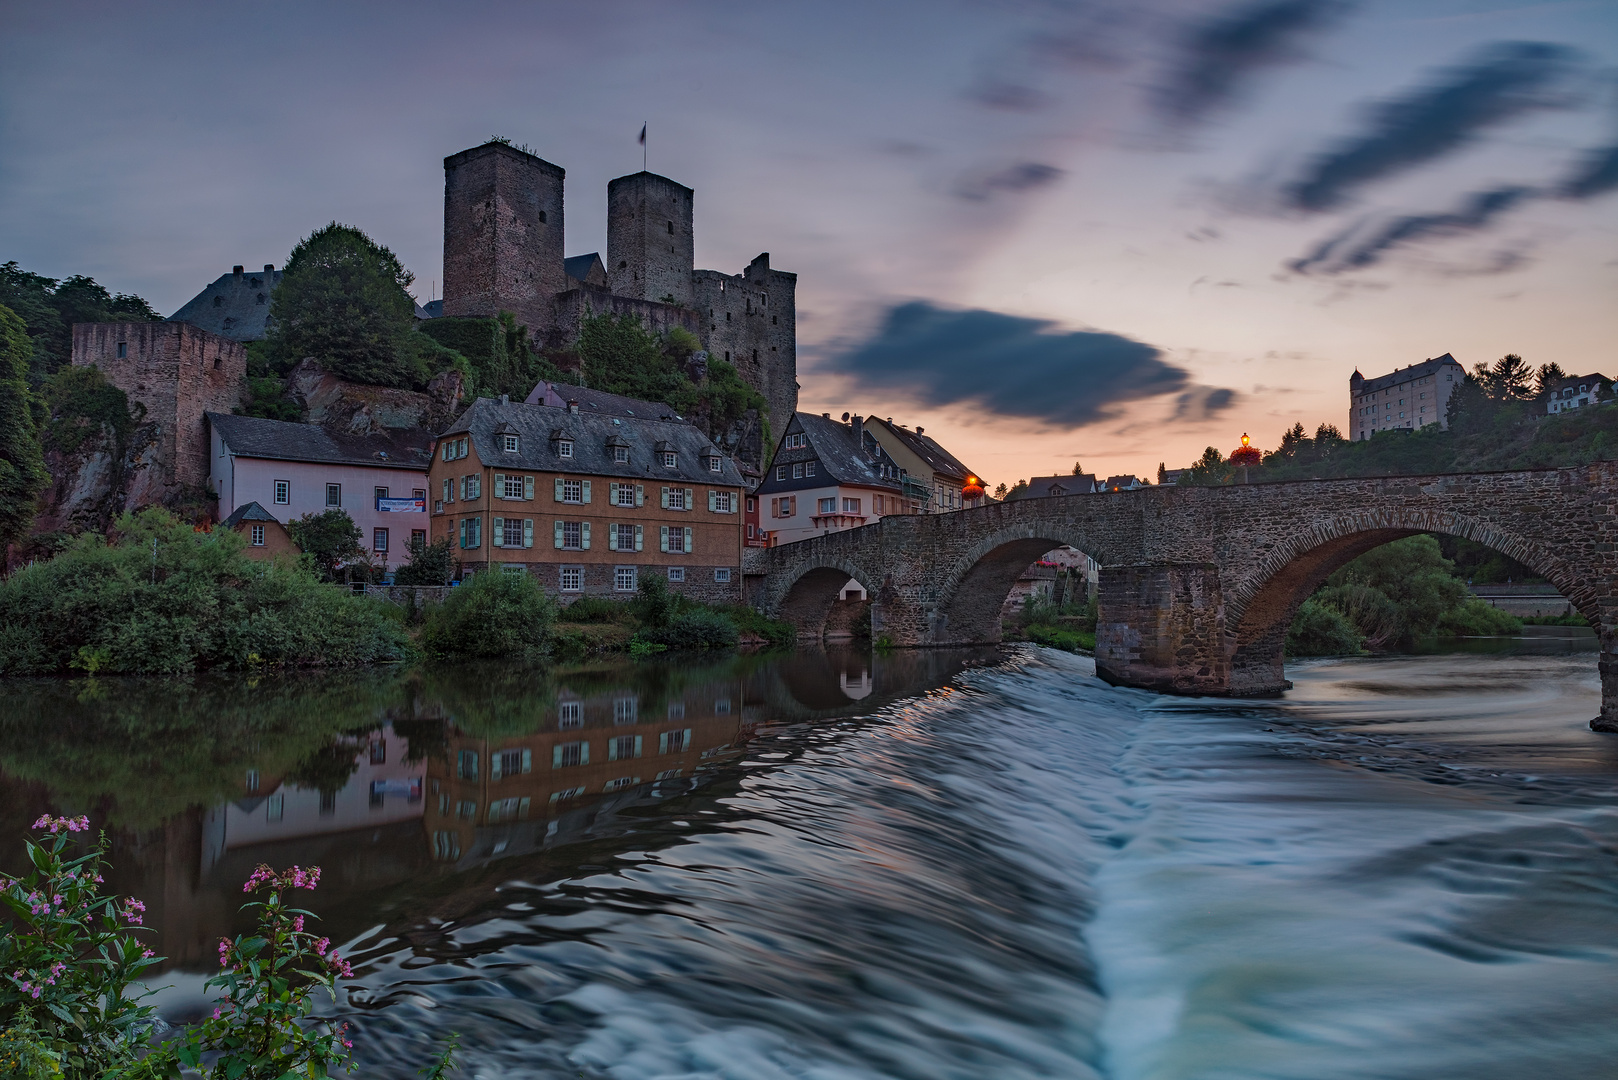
(1577, 391)
(503, 251)
(1408, 398)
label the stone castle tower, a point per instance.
(503, 251)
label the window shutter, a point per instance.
(662, 538)
(713, 501)
(685, 743)
(612, 749)
(556, 756)
(665, 497)
(494, 765)
(584, 530)
(558, 533)
(527, 532)
(612, 493)
(558, 489)
(612, 538)
(638, 540)
(584, 754)
(499, 537)
(690, 499)
(640, 494)
(528, 488)
(499, 485)
(587, 491)
(639, 739)
(463, 487)
(663, 743)
(528, 762)
(688, 538)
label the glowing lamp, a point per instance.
(973, 488)
(1245, 440)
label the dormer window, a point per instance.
(564, 448)
(714, 464)
(508, 443)
(668, 458)
(620, 455)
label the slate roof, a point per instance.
(540, 427)
(432, 309)
(832, 444)
(586, 268)
(927, 448)
(1041, 487)
(279, 440)
(251, 512)
(234, 306)
(599, 402)
(1404, 375)
(1593, 379)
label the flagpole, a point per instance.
(644, 125)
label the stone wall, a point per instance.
(578, 304)
(650, 241)
(750, 319)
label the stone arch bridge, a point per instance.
(1199, 585)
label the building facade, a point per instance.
(265, 536)
(825, 477)
(1406, 399)
(289, 470)
(588, 502)
(925, 467)
(1577, 391)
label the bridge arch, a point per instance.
(807, 594)
(973, 592)
(1260, 607)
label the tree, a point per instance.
(621, 356)
(1548, 376)
(1162, 473)
(22, 462)
(1000, 493)
(329, 538)
(497, 614)
(49, 308)
(342, 300)
(430, 564)
(1508, 379)
(1078, 470)
(1326, 434)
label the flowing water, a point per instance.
(941, 865)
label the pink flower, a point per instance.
(322, 945)
(144, 953)
(297, 924)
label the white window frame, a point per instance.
(334, 495)
(670, 459)
(624, 579)
(564, 448)
(716, 464)
(721, 575)
(257, 532)
(283, 492)
(572, 536)
(573, 491)
(620, 455)
(676, 573)
(379, 540)
(827, 506)
(509, 443)
(571, 579)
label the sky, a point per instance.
(1048, 232)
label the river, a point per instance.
(925, 865)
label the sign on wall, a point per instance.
(402, 506)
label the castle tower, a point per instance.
(503, 235)
(650, 242)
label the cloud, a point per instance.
(1011, 366)
(1503, 82)
(1014, 180)
(1214, 58)
(1595, 175)
(1356, 247)
(1202, 403)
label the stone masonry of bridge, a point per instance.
(1199, 585)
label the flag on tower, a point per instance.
(642, 139)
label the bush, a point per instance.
(433, 564)
(1061, 637)
(330, 539)
(166, 599)
(1477, 618)
(596, 609)
(654, 605)
(496, 614)
(699, 628)
(1321, 630)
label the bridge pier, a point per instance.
(1608, 720)
(1161, 626)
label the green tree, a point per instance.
(342, 300)
(1508, 379)
(49, 308)
(330, 539)
(1548, 376)
(620, 356)
(430, 564)
(496, 614)
(1078, 470)
(22, 462)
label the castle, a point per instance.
(503, 251)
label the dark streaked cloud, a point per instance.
(1012, 366)
(1504, 81)
(1013, 180)
(1595, 175)
(1202, 403)
(1214, 58)
(1356, 248)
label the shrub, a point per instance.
(1321, 630)
(654, 605)
(330, 539)
(496, 614)
(699, 628)
(164, 598)
(432, 564)
(22, 466)
(1477, 618)
(777, 633)
(1061, 637)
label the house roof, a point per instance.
(540, 427)
(1405, 374)
(599, 402)
(251, 512)
(927, 448)
(586, 268)
(1041, 487)
(1578, 380)
(279, 440)
(235, 305)
(833, 445)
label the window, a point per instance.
(258, 536)
(379, 752)
(471, 532)
(511, 532)
(568, 793)
(674, 742)
(380, 493)
(123, 350)
(750, 532)
(851, 506)
(570, 715)
(572, 535)
(715, 463)
(676, 573)
(449, 489)
(828, 506)
(623, 578)
(752, 504)
(572, 491)
(252, 781)
(624, 537)
(514, 487)
(621, 783)
(472, 486)
(507, 810)
(669, 459)
(624, 494)
(675, 538)
(721, 575)
(564, 448)
(511, 762)
(668, 774)
(466, 765)
(467, 810)
(508, 443)
(721, 707)
(808, 468)
(274, 806)
(574, 753)
(780, 472)
(572, 578)
(624, 710)
(785, 506)
(446, 846)
(722, 502)
(671, 228)
(795, 440)
(797, 470)
(620, 454)
(419, 493)
(418, 539)
(379, 540)
(674, 498)
(623, 747)
(283, 492)
(334, 495)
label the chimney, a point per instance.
(859, 430)
(826, 415)
(572, 406)
(505, 399)
(920, 430)
(269, 273)
(236, 271)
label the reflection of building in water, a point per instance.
(500, 794)
(383, 789)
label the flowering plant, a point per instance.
(66, 962)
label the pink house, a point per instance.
(379, 480)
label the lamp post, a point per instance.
(1245, 455)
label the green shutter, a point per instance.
(584, 530)
(463, 532)
(713, 500)
(499, 485)
(689, 537)
(612, 537)
(556, 756)
(499, 537)
(690, 499)
(665, 497)
(527, 763)
(612, 493)
(494, 765)
(558, 489)
(638, 540)
(587, 491)
(527, 532)
(662, 538)
(639, 739)
(558, 534)
(528, 488)
(640, 494)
